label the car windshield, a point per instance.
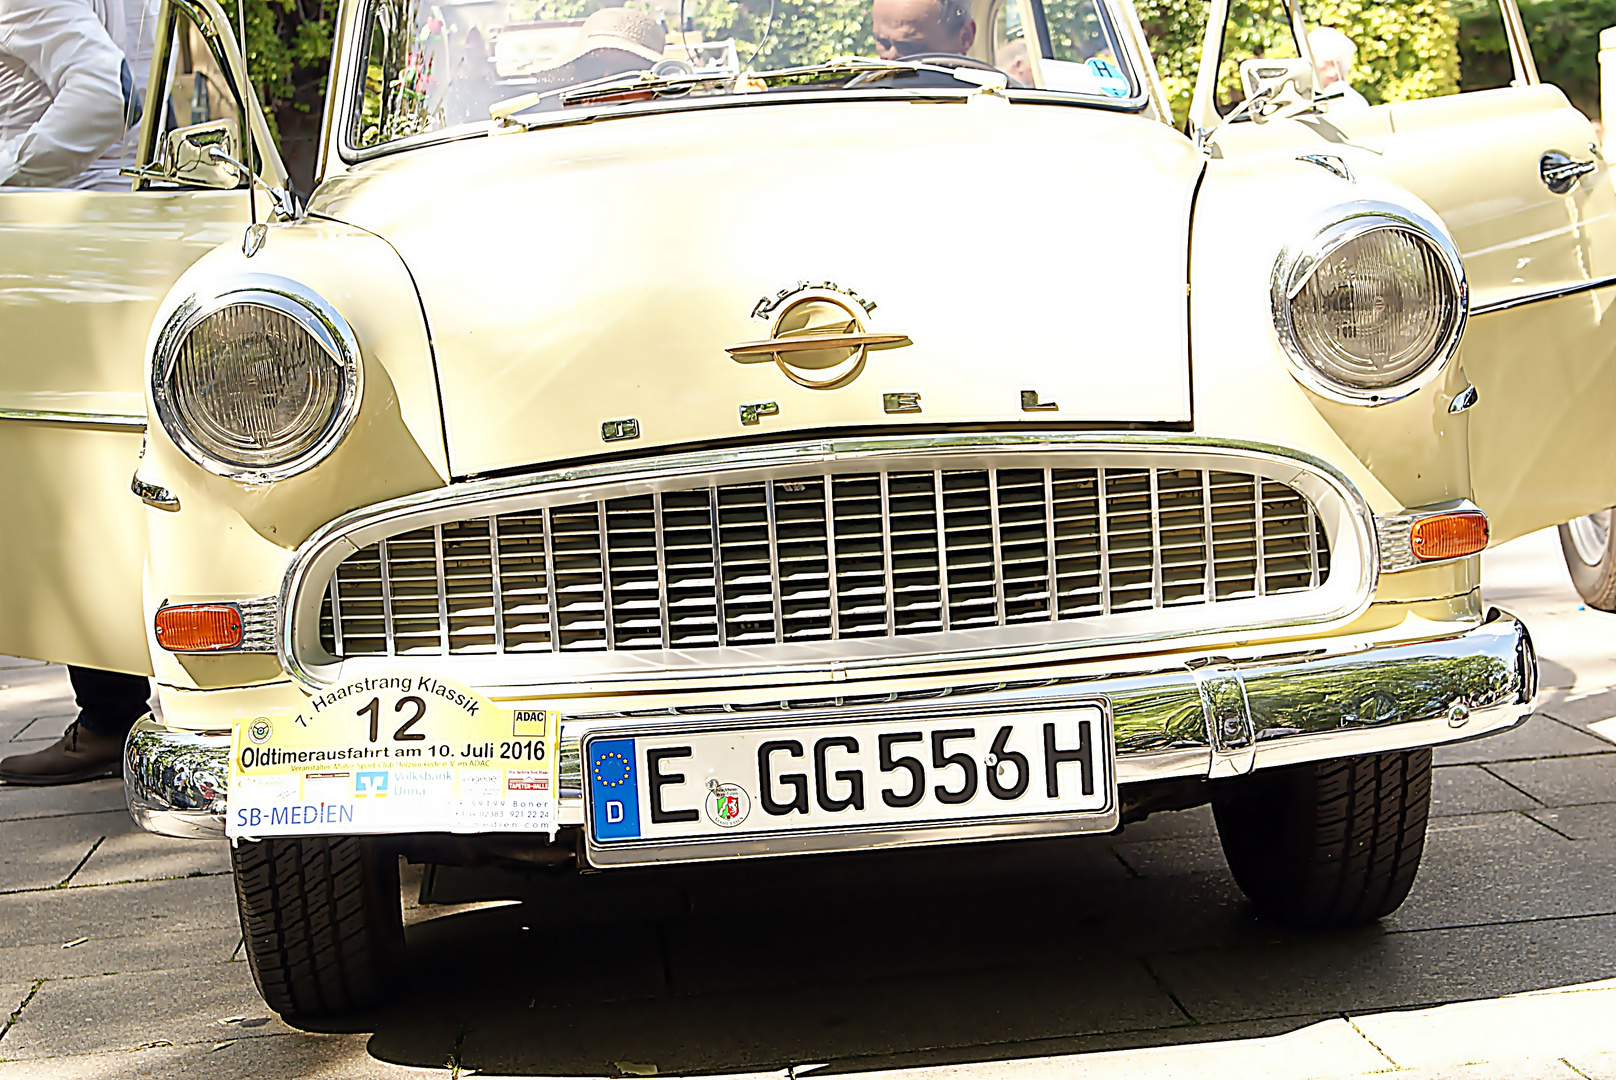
(431, 65)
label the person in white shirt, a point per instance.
(68, 93)
(1333, 57)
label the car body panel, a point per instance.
(1544, 369)
(82, 275)
(513, 292)
(624, 310)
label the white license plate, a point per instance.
(771, 787)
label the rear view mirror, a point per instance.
(1276, 87)
(187, 158)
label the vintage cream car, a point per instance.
(837, 452)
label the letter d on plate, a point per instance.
(614, 789)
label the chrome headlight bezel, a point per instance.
(1297, 263)
(328, 329)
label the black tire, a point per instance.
(321, 921)
(1596, 580)
(1329, 843)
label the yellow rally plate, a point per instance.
(394, 753)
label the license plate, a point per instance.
(902, 777)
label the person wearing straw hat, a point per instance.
(611, 40)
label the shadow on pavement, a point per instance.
(935, 956)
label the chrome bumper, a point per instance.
(1212, 717)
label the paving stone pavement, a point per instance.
(1132, 955)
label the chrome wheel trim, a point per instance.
(1590, 537)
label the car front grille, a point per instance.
(823, 557)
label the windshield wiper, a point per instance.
(631, 86)
(640, 86)
(863, 65)
(624, 86)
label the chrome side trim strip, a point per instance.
(117, 421)
(1557, 293)
(1208, 715)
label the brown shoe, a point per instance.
(80, 754)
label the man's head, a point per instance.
(1012, 60)
(1333, 54)
(907, 27)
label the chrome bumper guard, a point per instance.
(1213, 717)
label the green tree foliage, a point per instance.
(1406, 49)
(1565, 44)
(799, 32)
(288, 51)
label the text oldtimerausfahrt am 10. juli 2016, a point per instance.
(394, 753)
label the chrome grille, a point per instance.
(826, 557)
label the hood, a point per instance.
(1016, 264)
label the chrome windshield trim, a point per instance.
(318, 556)
(1119, 17)
(583, 114)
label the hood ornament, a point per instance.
(818, 339)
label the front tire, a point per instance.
(1589, 547)
(1330, 843)
(321, 922)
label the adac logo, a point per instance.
(726, 804)
(259, 731)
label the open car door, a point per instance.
(1517, 177)
(81, 276)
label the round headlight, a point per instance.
(258, 383)
(1372, 308)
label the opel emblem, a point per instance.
(818, 340)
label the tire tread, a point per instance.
(320, 921)
(1333, 843)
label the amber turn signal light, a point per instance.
(198, 627)
(1448, 536)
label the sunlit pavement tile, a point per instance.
(94, 797)
(295, 1056)
(44, 852)
(121, 1012)
(1543, 1025)
(1594, 1066)
(1326, 1049)
(100, 954)
(154, 907)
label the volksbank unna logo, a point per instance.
(370, 783)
